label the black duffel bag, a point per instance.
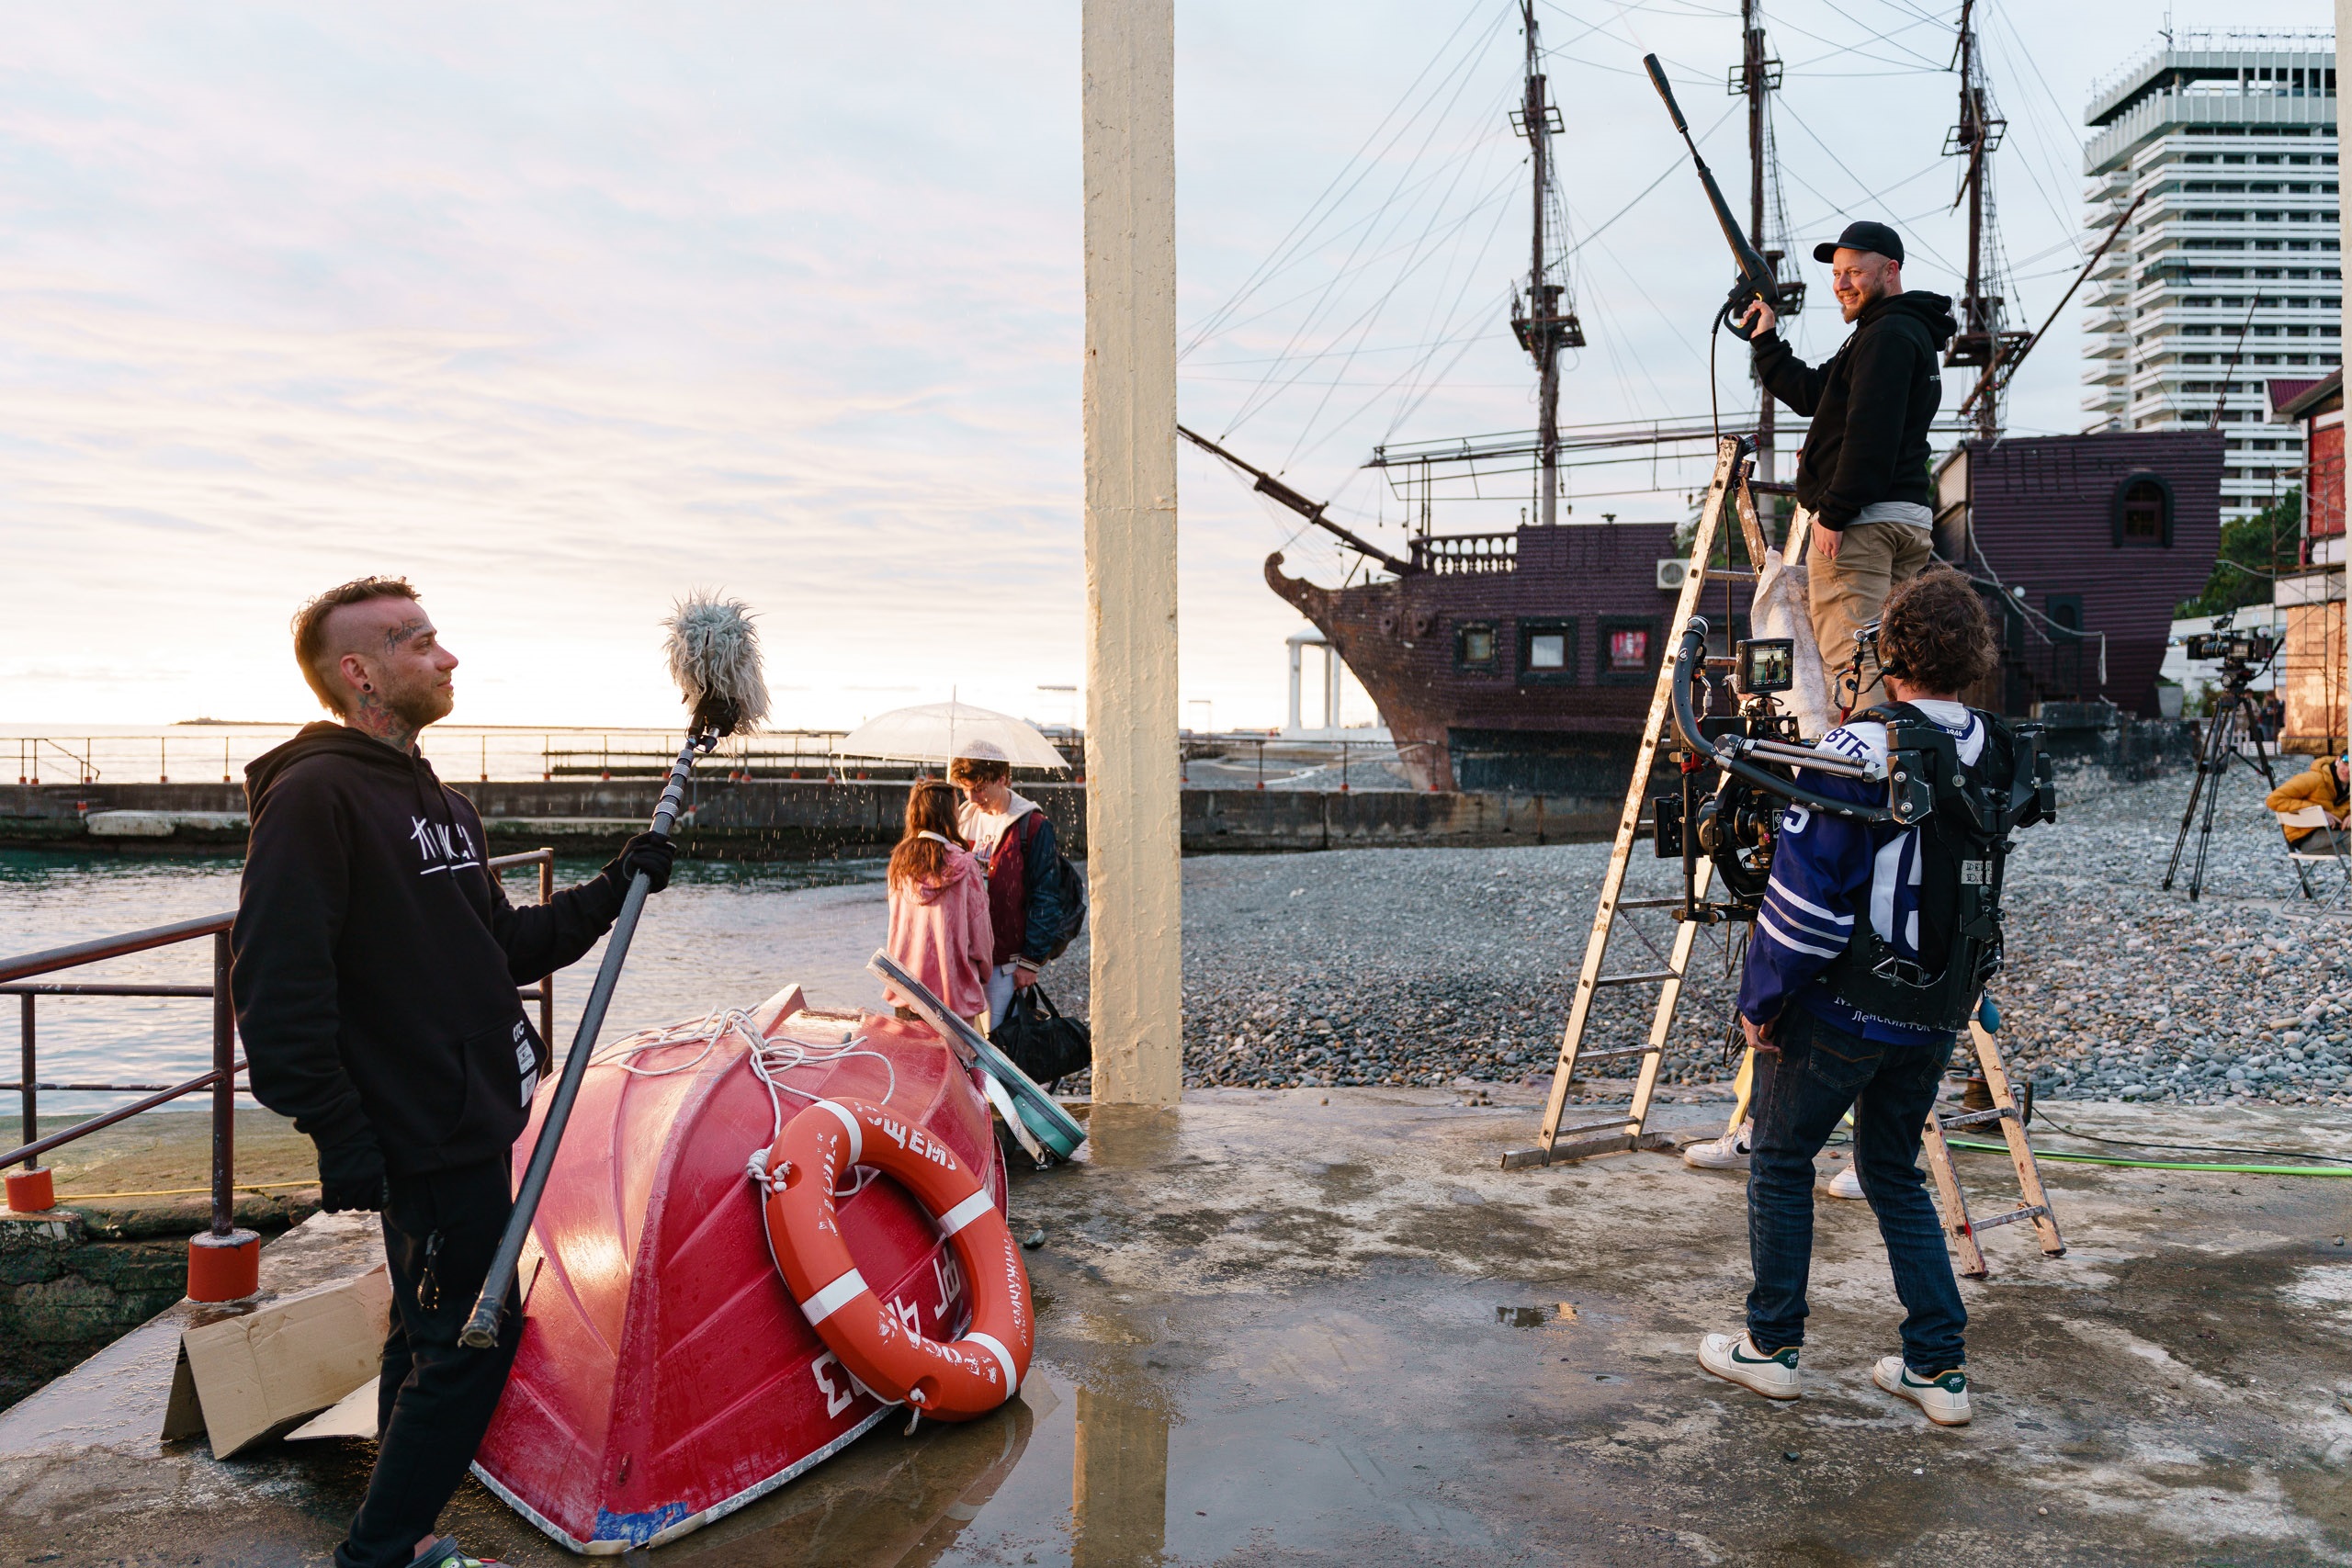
(1041, 1042)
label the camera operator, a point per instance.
(1817, 1053)
(1863, 485)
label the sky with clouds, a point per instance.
(562, 310)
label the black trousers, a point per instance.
(437, 1397)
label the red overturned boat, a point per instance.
(666, 1376)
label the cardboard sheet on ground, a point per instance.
(1781, 607)
(242, 1379)
(353, 1415)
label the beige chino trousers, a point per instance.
(1846, 590)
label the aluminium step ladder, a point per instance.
(1728, 489)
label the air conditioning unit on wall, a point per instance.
(1671, 575)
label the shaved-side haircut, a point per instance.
(311, 628)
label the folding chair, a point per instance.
(2325, 847)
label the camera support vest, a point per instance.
(1964, 814)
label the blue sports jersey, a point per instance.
(1828, 871)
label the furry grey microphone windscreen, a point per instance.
(714, 657)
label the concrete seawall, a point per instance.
(800, 819)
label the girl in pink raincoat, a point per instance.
(940, 931)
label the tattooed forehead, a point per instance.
(414, 626)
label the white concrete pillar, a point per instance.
(1331, 668)
(1298, 656)
(1133, 775)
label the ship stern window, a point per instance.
(1473, 645)
(2143, 512)
(1628, 649)
(1547, 652)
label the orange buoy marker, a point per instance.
(30, 1191)
(223, 1268)
(954, 1381)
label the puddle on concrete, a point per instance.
(1536, 1316)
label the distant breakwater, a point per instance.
(784, 819)
(807, 819)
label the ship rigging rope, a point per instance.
(1421, 251)
(1359, 167)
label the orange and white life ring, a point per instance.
(952, 1381)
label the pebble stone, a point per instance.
(1455, 967)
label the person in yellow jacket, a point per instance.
(2328, 784)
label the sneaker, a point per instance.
(446, 1553)
(1726, 1153)
(1735, 1358)
(1943, 1398)
(1847, 1183)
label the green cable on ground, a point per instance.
(2161, 1164)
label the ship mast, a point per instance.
(1757, 75)
(1544, 321)
(1981, 341)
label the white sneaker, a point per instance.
(1735, 1358)
(1943, 1398)
(1726, 1153)
(1847, 1183)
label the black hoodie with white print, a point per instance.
(377, 961)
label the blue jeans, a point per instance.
(1799, 1097)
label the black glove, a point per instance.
(351, 1176)
(649, 852)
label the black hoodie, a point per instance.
(1870, 405)
(377, 961)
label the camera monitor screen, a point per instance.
(1766, 664)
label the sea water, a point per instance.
(721, 935)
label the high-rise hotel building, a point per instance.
(2229, 275)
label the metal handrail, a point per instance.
(226, 1063)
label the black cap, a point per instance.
(1864, 235)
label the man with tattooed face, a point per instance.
(376, 966)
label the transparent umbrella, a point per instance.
(941, 732)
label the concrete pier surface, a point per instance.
(1311, 1326)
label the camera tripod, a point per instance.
(2237, 716)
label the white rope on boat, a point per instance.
(768, 1059)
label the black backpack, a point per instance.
(1071, 890)
(1965, 813)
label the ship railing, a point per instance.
(16, 979)
(1452, 555)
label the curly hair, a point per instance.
(1934, 633)
(310, 627)
(978, 771)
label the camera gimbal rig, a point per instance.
(1756, 748)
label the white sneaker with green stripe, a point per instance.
(1735, 1358)
(1942, 1398)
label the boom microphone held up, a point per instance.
(1756, 280)
(714, 655)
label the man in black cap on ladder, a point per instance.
(1864, 490)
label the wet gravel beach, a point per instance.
(1427, 966)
